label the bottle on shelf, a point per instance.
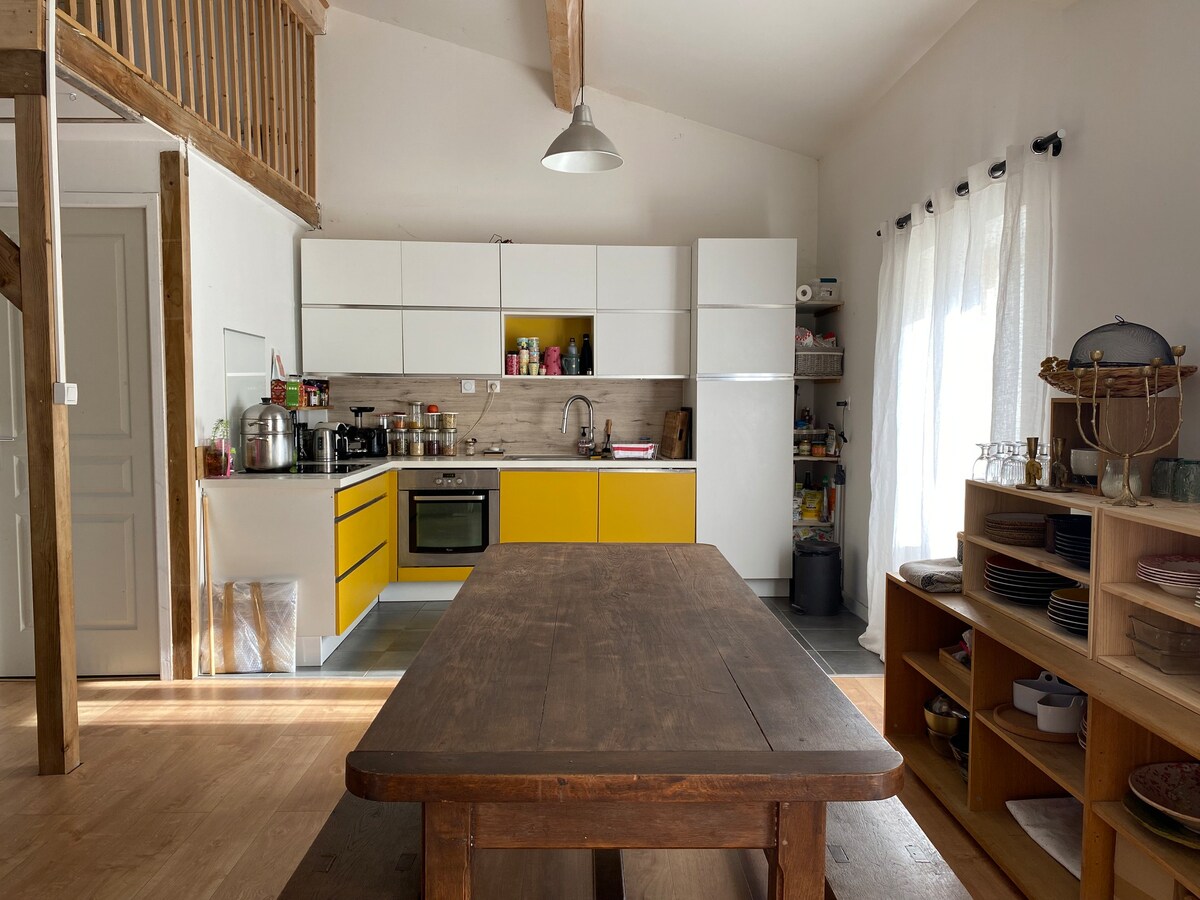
(585, 356)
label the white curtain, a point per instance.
(949, 285)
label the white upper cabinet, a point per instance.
(350, 273)
(745, 341)
(745, 272)
(453, 275)
(644, 344)
(452, 342)
(644, 277)
(548, 276)
(352, 341)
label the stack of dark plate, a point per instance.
(1020, 582)
(1070, 609)
(1017, 529)
(1073, 540)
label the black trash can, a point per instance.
(817, 578)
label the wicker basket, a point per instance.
(819, 362)
(1127, 381)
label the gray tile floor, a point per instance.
(388, 638)
(831, 640)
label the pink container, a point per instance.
(552, 360)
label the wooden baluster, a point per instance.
(245, 86)
(262, 80)
(271, 116)
(109, 22)
(188, 44)
(289, 96)
(144, 36)
(280, 87)
(302, 104)
(228, 89)
(296, 176)
(211, 56)
(200, 55)
(128, 48)
(174, 49)
(310, 111)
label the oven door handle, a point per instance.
(456, 498)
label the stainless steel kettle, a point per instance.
(268, 438)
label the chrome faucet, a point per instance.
(591, 425)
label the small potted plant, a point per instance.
(218, 455)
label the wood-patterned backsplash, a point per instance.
(526, 415)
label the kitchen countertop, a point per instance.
(316, 480)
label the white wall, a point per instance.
(1121, 77)
(422, 139)
(245, 276)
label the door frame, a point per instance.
(149, 204)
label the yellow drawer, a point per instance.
(648, 507)
(358, 588)
(359, 533)
(544, 507)
(353, 497)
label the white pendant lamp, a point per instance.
(582, 147)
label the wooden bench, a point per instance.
(371, 851)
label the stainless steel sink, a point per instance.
(546, 457)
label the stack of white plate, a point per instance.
(1020, 582)
(1069, 609)
(1177, 574)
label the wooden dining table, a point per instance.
(611, 696)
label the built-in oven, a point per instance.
(447, 517)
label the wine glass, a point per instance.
(979, 469)
(996, 463)
(1014, 466)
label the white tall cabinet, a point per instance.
(743, 346)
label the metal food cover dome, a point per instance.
(1123, 344)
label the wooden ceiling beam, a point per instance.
(10, 270)
(564, 22)
(311, 13)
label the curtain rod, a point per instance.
(1052, 142)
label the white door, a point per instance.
(548, 276)
(112, 459)
(452, 342)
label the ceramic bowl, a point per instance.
(1172, 788)
(1060, 713)
(1028, 691)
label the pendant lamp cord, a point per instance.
(582, 44)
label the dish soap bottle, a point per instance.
(586, 444)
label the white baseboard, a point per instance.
(419, 591)
(770, 587)
(314, 650)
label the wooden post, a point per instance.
(49, 461)
(181, 459)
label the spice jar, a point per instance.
(804, 448)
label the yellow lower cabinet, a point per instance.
(545, 507)
(359, 533)
(361, 585)
(648, 507)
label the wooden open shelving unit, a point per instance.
(1136, 714)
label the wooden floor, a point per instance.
(215, 789)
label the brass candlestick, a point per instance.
(1106, 444)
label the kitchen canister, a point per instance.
(1162, 477)
(449, 442)
(1186, 488)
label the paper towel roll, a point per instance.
(804, 293)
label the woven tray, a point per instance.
(1126, 381)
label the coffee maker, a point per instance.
(357, 436)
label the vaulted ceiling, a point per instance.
(791, 73)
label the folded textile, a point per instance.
(1056, 825)
(938, 576)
